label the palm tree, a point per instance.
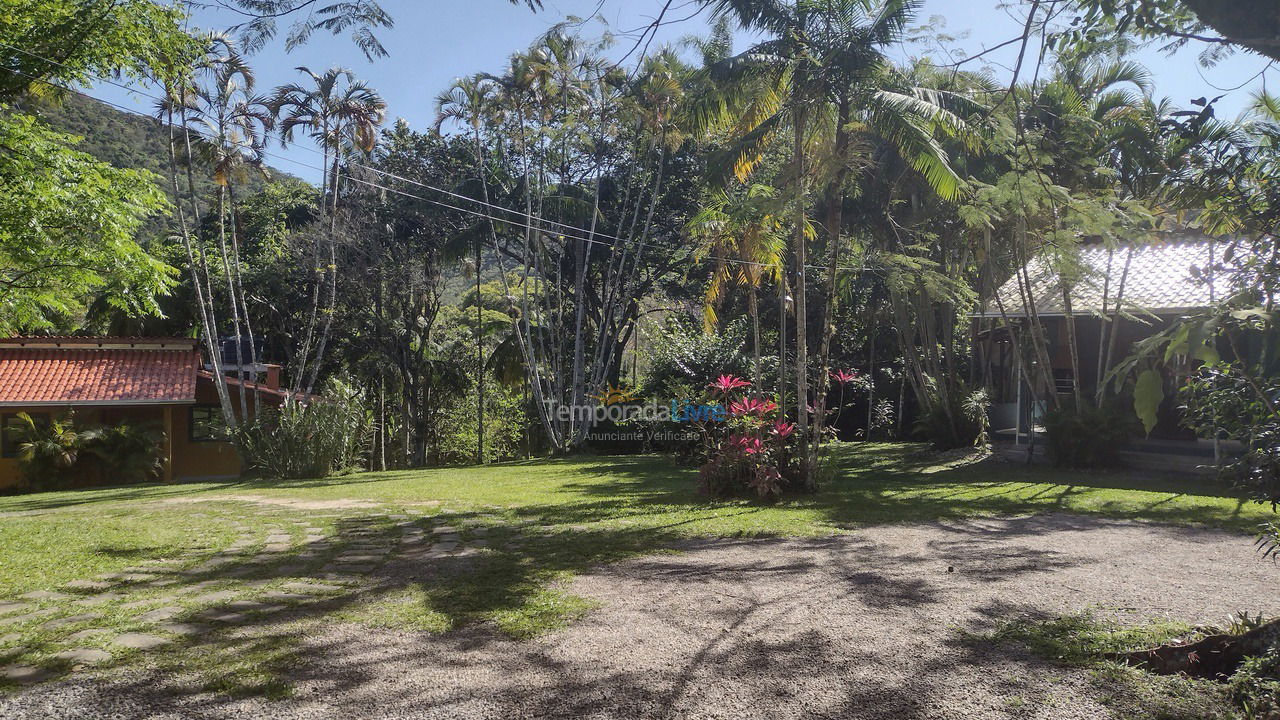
(233, 125)
(472, 102)
(742, 231)
(342, 115)
(822, 73)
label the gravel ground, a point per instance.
(864, 625)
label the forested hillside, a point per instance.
(125, 140)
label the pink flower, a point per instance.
(745, 444)
(783, 429)
(751, 406)
(844, 377)
(728, 383)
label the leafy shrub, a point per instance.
(47, 452)
(955, 420)
(684, 356)
(308, 440)
(1088, 435)
(129, 453)
(751, 450)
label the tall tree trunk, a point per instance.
(802, 315)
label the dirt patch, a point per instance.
(863, 625)
(294, 503)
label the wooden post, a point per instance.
(168, 443)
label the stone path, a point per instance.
(279, 569)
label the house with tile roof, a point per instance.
(1141, 288)
(159, 382)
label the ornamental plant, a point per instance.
(753, 450)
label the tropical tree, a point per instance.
(820, 75)
(342, 116)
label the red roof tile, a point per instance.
(57, 371)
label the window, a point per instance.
(11, 434)
(206, 424)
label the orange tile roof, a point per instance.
(86, 371)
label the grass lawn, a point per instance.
(539, 522)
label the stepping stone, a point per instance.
(85, 634)
(245, 605)
(8, 607)
(451, 537)
(222, 616)
(44, 595)
(137, 576)
(359, 568)
(479, 543)
(283, 596)
(200, 586)
(312, 530)
(159, 614)
(84, 656)
(99, 599)
(88, 585)
(358, 558)
(278, 538)
(33, 615)
(276, 547)
(185, 628)
(139, 641)
(162, 583)
(71, 620)
(214, 597)
(309, 539)
(447, 545)
(313, 587)
(480, 531)
(445, 530)
(25, 674)
(10, 638)
(137, 604)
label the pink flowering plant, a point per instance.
(752, 450)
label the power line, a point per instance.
(349, 177)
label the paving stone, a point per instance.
(358, 558)
(134, 605)
(138, 576)
(200, 586)
(99, 598)
(10, 638)
(309, 539)
(479, 543)
(313, 587)
(276, 547)
(185, 628)
(283, 596)
(84, 656)
(367, 568)
(445, 530)
(10, 607)
(44, 595)
(71, 620)
(28, 617)
(223, 616)
(312, 530)
(450, 537)
(26, 674)
(159, 614)
(278, 538)
(447, 545)
(245, 605)
(86, 634)
(214, 597)
(480, 531)
(139, 641)
(88, 585)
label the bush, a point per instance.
(750, 450)
(1088, 436)
(955, 420)
(47, 453)
(129, 453)
(308, 440)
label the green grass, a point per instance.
(1083, 640)
(545, 521)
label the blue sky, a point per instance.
(435, 41)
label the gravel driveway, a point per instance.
(864, 625)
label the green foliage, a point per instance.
(1088, 435)
(84, 39)
(47, 451)
(315, 439)
(955, 420)
(1148, 394)
(684, 356)
(129, 453)
(67, 226)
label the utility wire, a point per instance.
(541, 227)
